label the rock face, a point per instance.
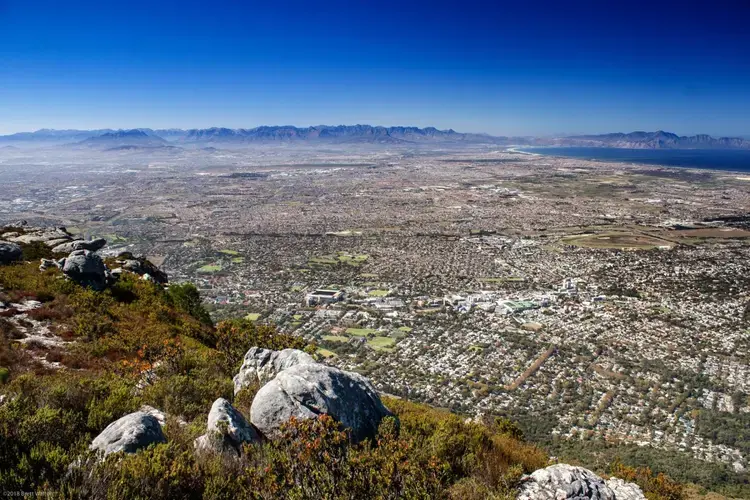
(72, 246)
(86, 268)
(129, 434)
(562, 481)
(262, 365)
(227, 429)
(9, 252)
(308, 390)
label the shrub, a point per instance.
(186, 298)
(235, 337)
(655, 486)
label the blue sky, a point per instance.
(498, 67)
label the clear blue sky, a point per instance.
(521, 67)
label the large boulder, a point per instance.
(308, 390)
(9, 252)
(563, 481)
(72, 246)
(129, 434)
(86, 268)
(227, 430)
(262, 365)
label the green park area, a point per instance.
(381, 343)
(360, 332)
(335, 338)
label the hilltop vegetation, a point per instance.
(137, 343)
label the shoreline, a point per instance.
(728, 163)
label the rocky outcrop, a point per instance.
(129, 434)
(86, 268)
(562, 481)
(260, 365)
(144, 268)
(624, 490)
(72, 246)
(227, 430)
(43, 235)
(308, 390)
(9, 252)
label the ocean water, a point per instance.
(718, 159)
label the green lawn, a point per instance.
(238, 260)
(335, 338)
(501, 280)
(326, 353)
(379, 343)
(210, 268)
(229, 252)
(252, 316)
(404, 329)
(360, 332)
(378, 293)
(325, 261)
(345, 257)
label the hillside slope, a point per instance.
(75, 359)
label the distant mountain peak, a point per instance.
(123, 138)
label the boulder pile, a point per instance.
(295, 385)
(562, 481)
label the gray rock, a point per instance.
(86, 268)
(308, 390)
(157, 414)
(9, 252)
(129, 434)
(71, 246)
(624, 490)
(227, 429)
(563, 481)
(260, 365)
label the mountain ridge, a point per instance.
(362, 133)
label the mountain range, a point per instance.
(354, 134)
(655, 140)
